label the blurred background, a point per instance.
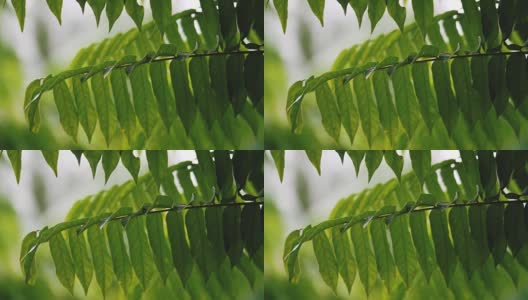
(305, 198)
(45, 47)
(308, 49)
(42, 199)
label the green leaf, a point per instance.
(424, 249)
(100, 257)
(515, 227)
(359, 6)
(367, 108)
(446, 100)
(232, 236)
(290, 255)
(93, 157)
(161, 13)
(406, 102)
(278, 158)
(236, 82)
(31, 107)
(329, 112)
(158, 164)
(56, 8)
(357, 157)
(423, 14)
(516, 74)
(218, 75)
(364, 257)
(185, 103)
(67, 111)
(477, 223)
(498, 83)
(20, 9)
(144, 102)
(27, 257)
(384, 259)
(397, 12)
(404, 253)
(294, 108)
(315, 158)
(131, 163)
(345, 257)
(460, 71)
(506, 164)
(165, 100)
(326, 260)
(317, 7)
(215, 229)
(488, 173)
(421, 163)
(64, 267)
(471, 20)
(140, 254)
(181, 255)
(490, 23)
(97, 7)
(15, 157)
(81, 260)
(52, 158)
(200, 247)
(199, 71)
(373, 160)
(113, 11)
(158, 243)
(106, 109)
(347, 108)
(228, 25)
(443, 247)
(135, 11)
(110, 160)
(86, 110)
(125, 111)
(463, 242)
(479, 71)
(282, 10)
(224, 175)
(118, 251)
(387, 112)
(428, 106)
(395, 162)
(495, 232)
(507, 16)
(376, 9)
(211, 17)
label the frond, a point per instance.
(193, 87)
(208, 227)
(446, 92)
(447, 228)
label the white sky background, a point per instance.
(77, 31)
(336, 181)
(73, 183)
(339, 32)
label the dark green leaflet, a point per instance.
(477, 223)
(359, 7)
(97, 7)
(325, 258)
(479, 72)
(293, 107)
(224, 175)
(125, 111)
(515, 227)
(329, 112)
(423, 13)
(373, 160)
(447, 103)
(282, 10)
(93, 157)
(347, 107)
(394, 161)
(131, 163)
(254, 77)
(161, 13)
(106, 109)
(144, 103)
(317, 7)
(101, 259)
(367, 109)
(232, 236)
(51, 157)
(158, 243)
(200, 246)
(444, 249)
(86, 110)
(27, 259)
(404, 253)
(228, 25)
(81, 260)
(490, 23)
(290, 256)
(357, 157)
(236, 82)
(20, 9)
(488, 171)
(463, 242)
(344, 255)
(181, 255)
(140, 254)
(185, 102)
(498, 83)
(507, 16)
(406, 102)
(215, 229)
(118, 250)
(135, 11)
(210, 16)
(278, 158)
(67, 111)
(32, 112)
(110, 160)
(113, 11)
(64, 267)
(421, 163)
(516, 74)
(387, 112)
(315, 158)
(158, 163)
(218, 76)
(15, 157)
(376, 9)
(364, 257)
(465, 94)
(199, 70)
(397, 12)
(384, 259)
(421, 240)
(56, 8)
(164, 97)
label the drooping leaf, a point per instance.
(445, 255)
(404, 253)
(329, 112)
(373, 160)
(20, 9)
(110, 159)
(424, 250)
(421, 163)
(384, 259)
(15, 157)
(315, 158)
(423, 14)
(181, 255)
(140, 254)
(81, 260)
(120, 258)
(326, 260)
(62, 259)
(161, 13)
(282, 10)
(158, 243)
(365, 259)
(317, 7)
(395, 162)
(278, 158)
(52, 158)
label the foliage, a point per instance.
(151, 87)
(448, 81)
(205, 231)
(455, 229)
